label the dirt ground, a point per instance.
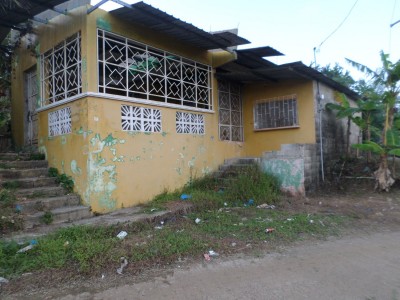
(374, 216)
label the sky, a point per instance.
(295, 27)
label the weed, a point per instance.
(36, 194)
(65, 180)
(53, 172)
(37, 156)
(47, 218)
(11, 185)
(10, 219)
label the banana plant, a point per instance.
(386, 82)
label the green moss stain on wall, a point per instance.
(103, 24)
(290, 172)
(102, 175)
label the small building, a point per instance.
(134, 102)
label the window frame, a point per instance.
(274, 107)
(125, 89)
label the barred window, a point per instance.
(135, 118)
(189, 123)
(60, 121)
(277, 112)
(132, 69)
(230, 111)
(61, 71)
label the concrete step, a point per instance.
(45, 204)
(23, 173)
(40, 192)
(24, 164)
(9, 156)
(60, 215)
(29, 182)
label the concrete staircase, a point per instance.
(37, 193)
(232, 167)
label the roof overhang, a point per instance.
(252, 69)
(148, 16)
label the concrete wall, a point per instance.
(333, 129)
(257, 142)
(296, 165)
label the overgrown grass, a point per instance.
(10, 218)
(211, 193)
(92, 250)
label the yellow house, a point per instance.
(134, 102)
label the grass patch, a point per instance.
(209, 192)
(10, 218)
(11, 185)
(92, 250)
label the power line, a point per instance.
(340, 25)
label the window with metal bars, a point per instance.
(280, 112)
(131, 69)
(230, 111)
(61, 71)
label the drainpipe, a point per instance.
(321, 148)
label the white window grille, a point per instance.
(61, 71)
(230, 111)
(277, 112)
(132, 69)
(135, 118)
(60, 122)
(189, 123)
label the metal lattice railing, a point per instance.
(61, 71)
(132, 69)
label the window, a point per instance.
(131, 69)
(61, 71)
(134, 118)
(278, 112)
(230, 111)
(60, 121)
(189, 123)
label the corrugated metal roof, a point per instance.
(13, 15)
(260, 51)
(268, 72)
(153, 18)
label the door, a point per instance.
(31, 119)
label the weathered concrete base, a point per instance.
(296, 165)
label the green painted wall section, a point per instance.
(290, 173)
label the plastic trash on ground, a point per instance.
(3, 280)
(197, 221)
(185, 197)
(269, 230)
(266, 206)
(207, 257)
(124, 263)
(32, 244)
(122, 235)
(212, 253)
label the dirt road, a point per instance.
(361, 267)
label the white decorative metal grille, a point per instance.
(276, 113)
(60, 122)
(61, 71)
(134, 118)
(132, 69)
(189, 123)
(230, 111)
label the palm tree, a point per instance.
(386, 82)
